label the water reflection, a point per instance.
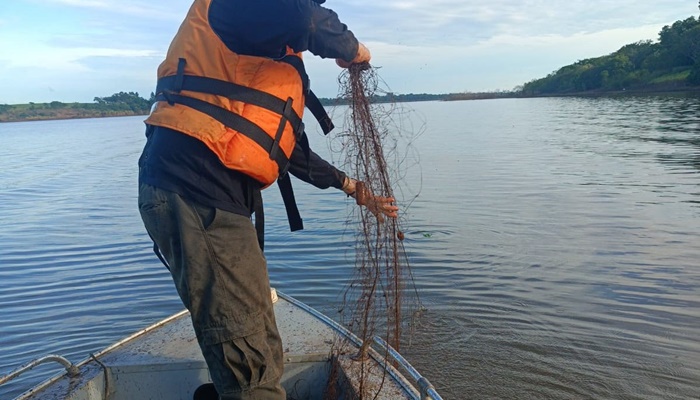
(554, 243)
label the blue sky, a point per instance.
(75, 50)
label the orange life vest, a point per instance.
(248, 110)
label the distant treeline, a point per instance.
(130, 103)
(404, 98)
(116, 105)
(672, 63)
(388, 98)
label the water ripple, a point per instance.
(553, 244)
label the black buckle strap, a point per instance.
(230, 119)
(312, 102)
(177, 83)
(284, 182)
(314, 105)
(180, 76)
(280, 128)
(259, 212)
(298, 64)
(156, 250)
(168, 87)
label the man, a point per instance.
(227, 124)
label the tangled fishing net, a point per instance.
(378, 302)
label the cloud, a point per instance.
(82, 3)
(499, 62)
(434, 46)
(584, 43)
(170, 10)
(81, 77)
(23, 52)
(460, 21)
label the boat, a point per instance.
(163, 361)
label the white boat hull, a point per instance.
(164, 361)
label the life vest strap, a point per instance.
(314, 105)
(233, 91)
(231, 120)
(180, 75)
(284, 183)
(312, 102)
(169, 87)
(259, 218)
(286, 113)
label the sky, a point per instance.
(76, 50)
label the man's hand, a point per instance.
(379, 206)
(362, 56)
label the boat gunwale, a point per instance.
(94, 356)
(408, 388)
(398, 377)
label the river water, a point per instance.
(555, 244)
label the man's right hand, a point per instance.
(379, 206)
(363, 56)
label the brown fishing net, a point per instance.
(376, 302)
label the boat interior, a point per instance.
(164, 362)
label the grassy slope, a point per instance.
(45, 111)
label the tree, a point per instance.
(694, 77)
(638, 52)
(682, 41)
(676, 54)
(692, 40)
(124, 101)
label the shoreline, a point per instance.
(61, 114)
(59, 118)
(625, 92)
(661, 91)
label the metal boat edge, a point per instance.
(399, 369)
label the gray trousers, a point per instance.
(221, 276)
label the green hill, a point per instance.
(671, 63)
(117, 105)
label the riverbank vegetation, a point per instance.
(387, 98)
(117, 105)
(404, 98)
(671, 63)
